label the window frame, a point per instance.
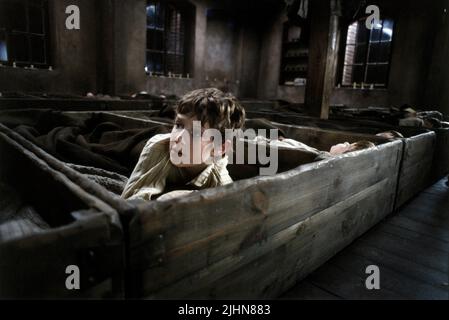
(10, 32)
(366, 62)
(178, 7)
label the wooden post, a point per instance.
(106, 44)
(323, 56)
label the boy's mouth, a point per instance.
(174, 151)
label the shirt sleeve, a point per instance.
(150, 174)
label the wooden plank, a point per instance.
(87, 243)
(437, 216)
(393, 281)
(441, 158)
(330, 278)
(439, 233)
(324, 139)
(418, 154)
(270, 194)
(93, 232)
(213, 232)
(306, 290)
(80, 104)
(437, 190)
(250, 273)
(407, 249)
(415, 173)
(348, 285)
(414, 236)
(31, 166)
(75, 178)
(397, 264)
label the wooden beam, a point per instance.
(323, 57)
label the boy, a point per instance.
(347, 147)
(167, 161)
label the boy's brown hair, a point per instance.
(392, 133)
(220, 110)
(360, 145)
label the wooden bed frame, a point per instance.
(424, 150)
(84, 231)
(256, 237)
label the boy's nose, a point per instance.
(177, 135)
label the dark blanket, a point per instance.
(17, 218)
(90, 142)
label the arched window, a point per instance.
(166, 50)
(367, 53)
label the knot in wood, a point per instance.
(260, 202)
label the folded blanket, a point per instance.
(16, 217)
(113, 182)
(87, 141)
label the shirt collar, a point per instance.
(218, 166)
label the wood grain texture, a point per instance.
(416, 167)
(410, 249)
(82, 232)
(418, 163)
(441, 158)
(203, 238)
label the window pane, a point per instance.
(175, 43)
(374, 52)
(352, 33)
(36, 18)
(155, 15)
(362, 33)
(17, 19)
(360, 53)
(37, 49)
(175, 63)
(367, 62)
(353, 73)
(19, 47)
(380, 52)
(151, 15)
(376, 32)
(3, 48)
(384, 52)
(175, 39)
(165, 38)
(347, 75)
(155, 40)
(387, 32)
(377, 74)
(358, 74)
(155, 62)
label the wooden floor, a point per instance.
(411, 249)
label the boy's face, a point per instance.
(187, 144)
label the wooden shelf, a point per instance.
(294, 53)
